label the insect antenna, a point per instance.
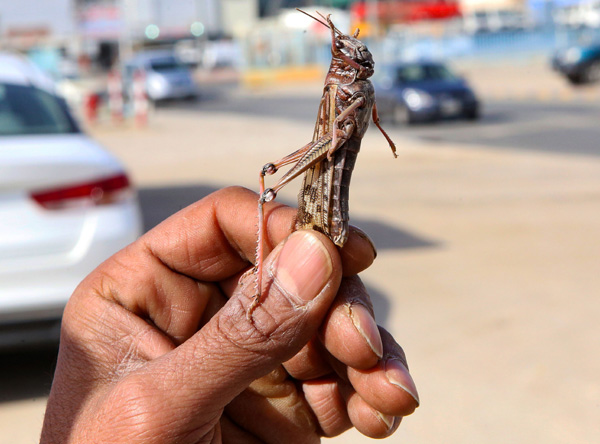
(316, 19)
(334, 28)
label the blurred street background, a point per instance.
(487, 225)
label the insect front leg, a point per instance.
(376, 122)
(337, 133)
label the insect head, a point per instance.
(348, 49)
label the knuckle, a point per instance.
(134, 408)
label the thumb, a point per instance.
(302, 276)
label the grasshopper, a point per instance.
(346, 107)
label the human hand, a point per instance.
(156, 346)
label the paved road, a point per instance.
(569, 127)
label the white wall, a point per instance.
(171, 15)
(55, 15)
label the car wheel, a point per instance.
(402, 115)
(472, 114)
(592, 73)
(574, 79)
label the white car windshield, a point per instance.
(26, 110)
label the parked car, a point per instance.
(496, 20)
(221, 54)
(166, 76)
(579, 64)
(66, 205)
(578, 15)
(423, 91)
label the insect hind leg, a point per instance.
(268, 195)
(315, 150)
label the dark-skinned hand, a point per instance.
(156, 345)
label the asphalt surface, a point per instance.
(530, 124)
(568, 128)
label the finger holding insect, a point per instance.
(368, 420)
(375, 400)
(390, 376)
(338, 407)
(367, 360)
(358, 253)
(349, 334)
(237, 205)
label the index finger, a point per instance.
(215, 237)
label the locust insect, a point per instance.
(347, 105)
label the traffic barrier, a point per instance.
(115, 96)
(91, 105)
(140, 99)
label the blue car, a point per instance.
(423, 91)
(579, 64)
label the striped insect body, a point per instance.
(327, 161)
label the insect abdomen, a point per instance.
(344, 164)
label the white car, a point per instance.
(66, 205)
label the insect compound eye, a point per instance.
(338, 44)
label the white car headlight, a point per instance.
(157, 86)
(417, 99)
(572, 55)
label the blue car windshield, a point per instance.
(26, 110)
(165, 64)
(420, 73)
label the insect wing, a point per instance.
(314, 199)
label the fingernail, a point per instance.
(364, 236)
(366, 326)
(387, 419)
(399, 376)
(304, 266)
